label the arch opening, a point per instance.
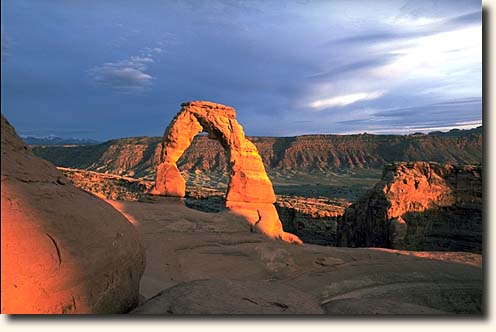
(249, 190)
(206, 171)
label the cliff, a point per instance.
(419, 206)
(138, 157)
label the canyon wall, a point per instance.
(138, 157)
(418, 206)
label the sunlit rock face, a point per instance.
(250, 192)
(63, 250)
(420, 206)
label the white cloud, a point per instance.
(344, 100)
(125, 76)
(141, 59)
(451, 58)
(433, 66)
(412, 22)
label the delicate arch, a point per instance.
(250, 190)
(248, 181)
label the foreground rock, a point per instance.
(249, 192)
(63, 250)
(419, 206)
(185, 245)
(228, 297)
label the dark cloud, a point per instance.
(389, 35)
(5, 44)
(436, 8)
(122, 68)
(459, 108)
(457, 113)
(466, 19)
(351, 67)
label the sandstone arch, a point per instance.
(250, 192)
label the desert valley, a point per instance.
(228, 157)
(342, 225)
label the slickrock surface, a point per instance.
(229, 297)
(420, 206)
(249, 191)
(185, 246)
(63, 250)
(313, 220)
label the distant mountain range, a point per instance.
(55, 140)
(138, 157)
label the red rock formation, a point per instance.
(63, 250)
(250, 191)
(108, 186)
(139, 156)
(421, 206)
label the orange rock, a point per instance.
(169, 181)
(415, 187)
(264, 216)
(248, 182)
(418, 205)
(63, 250)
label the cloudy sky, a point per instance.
(108, 69)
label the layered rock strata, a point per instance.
(139, 156)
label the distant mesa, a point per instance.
(139, 156)
(63, 250)
(250, 192)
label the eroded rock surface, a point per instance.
(230, 297)
(420, 206)
(108, 185)
(249, 192)
(185, 246)
(63, 250)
